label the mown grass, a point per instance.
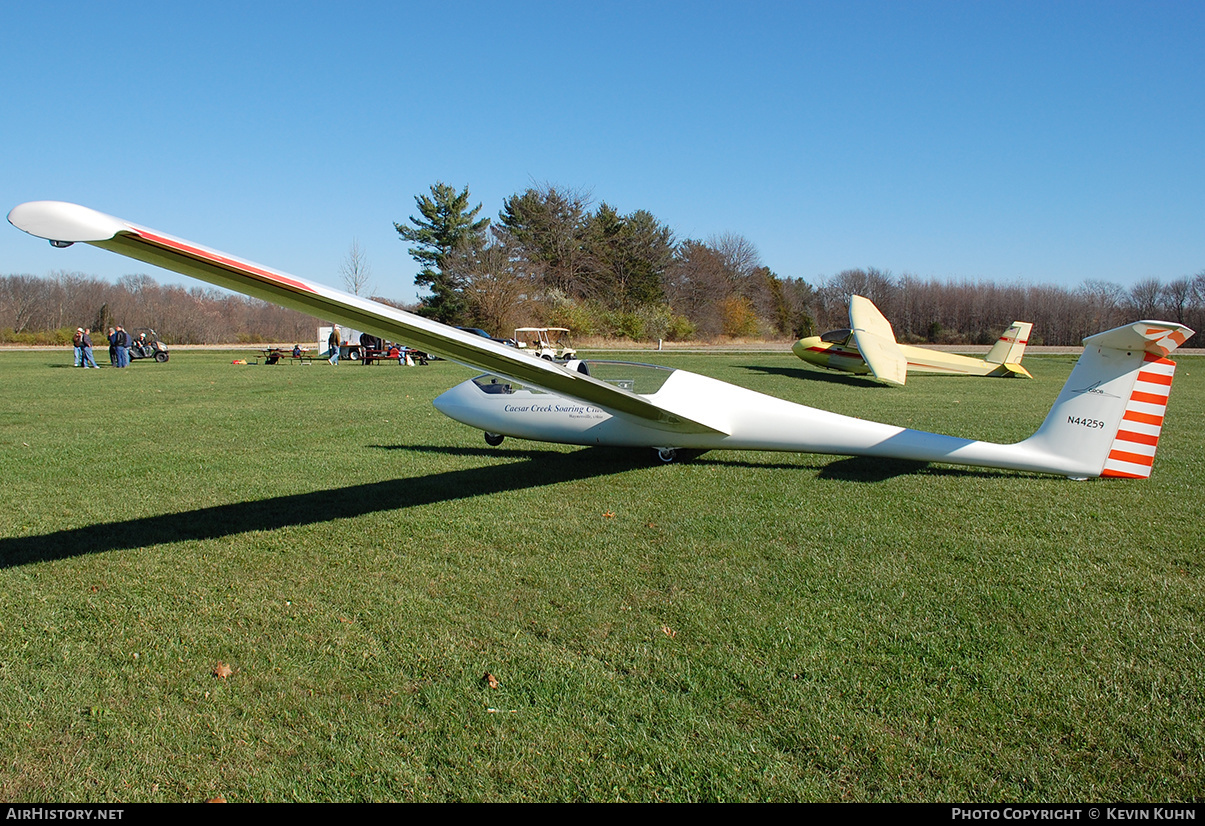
(747, 626)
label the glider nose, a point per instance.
(801, 347)
(454, 401)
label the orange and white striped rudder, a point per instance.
(1133, 451)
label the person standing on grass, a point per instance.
(86, 346)
(333, 341)
(77, 343)
(112, 347)
(121, 343)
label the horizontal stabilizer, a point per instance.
(1010, 370)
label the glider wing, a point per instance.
(876, 341)
(64, 224)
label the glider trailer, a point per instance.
(1106, 420)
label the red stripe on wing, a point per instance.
(223, 261)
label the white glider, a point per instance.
(1105, 422)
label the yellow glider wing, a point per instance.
(876, 341)
(64, 224)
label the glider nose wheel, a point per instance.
(494, 439)
(667, 455)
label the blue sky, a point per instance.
(1018, 142)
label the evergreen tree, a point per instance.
(629, 256)
(546, 224)
(445, 225)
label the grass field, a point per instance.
(746, 626)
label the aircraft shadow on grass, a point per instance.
(846, 379)
(872, 469)
(536, 469)
(531, 469)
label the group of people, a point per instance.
(119, 347)
(83, 348)
(370, 345)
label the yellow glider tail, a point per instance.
(1009, 349)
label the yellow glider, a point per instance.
(869, 346)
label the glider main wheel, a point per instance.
(494, 439)
(667, 455)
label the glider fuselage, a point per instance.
(749, 421)
(836, 350)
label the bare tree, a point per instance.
(697, 283)
(1176, 296)
(1198, 288)
(740, 255)
(1144, 297)
(23, 298)
(355, 272)
(1101, 306)
(494, 280)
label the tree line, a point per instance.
(554, 258)
(46, 310)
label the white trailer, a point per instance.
(349, 342)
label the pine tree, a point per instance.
(445, 226)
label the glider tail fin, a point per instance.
(1009, 348)
(1107, 419)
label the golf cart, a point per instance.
(145, 344)
(550, 343)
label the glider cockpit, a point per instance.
(837, 336)
(499, 406)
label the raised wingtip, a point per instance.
(61, 221)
